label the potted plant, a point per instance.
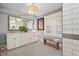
(23, 29)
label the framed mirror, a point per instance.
(40, 24)
(14, 23)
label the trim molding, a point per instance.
(71, 36)
(51, 12)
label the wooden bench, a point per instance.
(54, 41)
(3, 49)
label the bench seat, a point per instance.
(54, 41)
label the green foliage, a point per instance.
(23, 29)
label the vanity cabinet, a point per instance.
(15, 40)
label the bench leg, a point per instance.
(6, 51)
(44, 41)
(0, 51)
(57, 45)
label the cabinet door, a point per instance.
(10, 43)
(24, 39)
(17, 41)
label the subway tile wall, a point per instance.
(70, 26)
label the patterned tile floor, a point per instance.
(35, 49)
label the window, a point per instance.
(14, 23)
(30, 25)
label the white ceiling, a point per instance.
(21, 8)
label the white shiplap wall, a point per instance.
(53, 23)
(70, 26)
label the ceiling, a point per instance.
(20, 9)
